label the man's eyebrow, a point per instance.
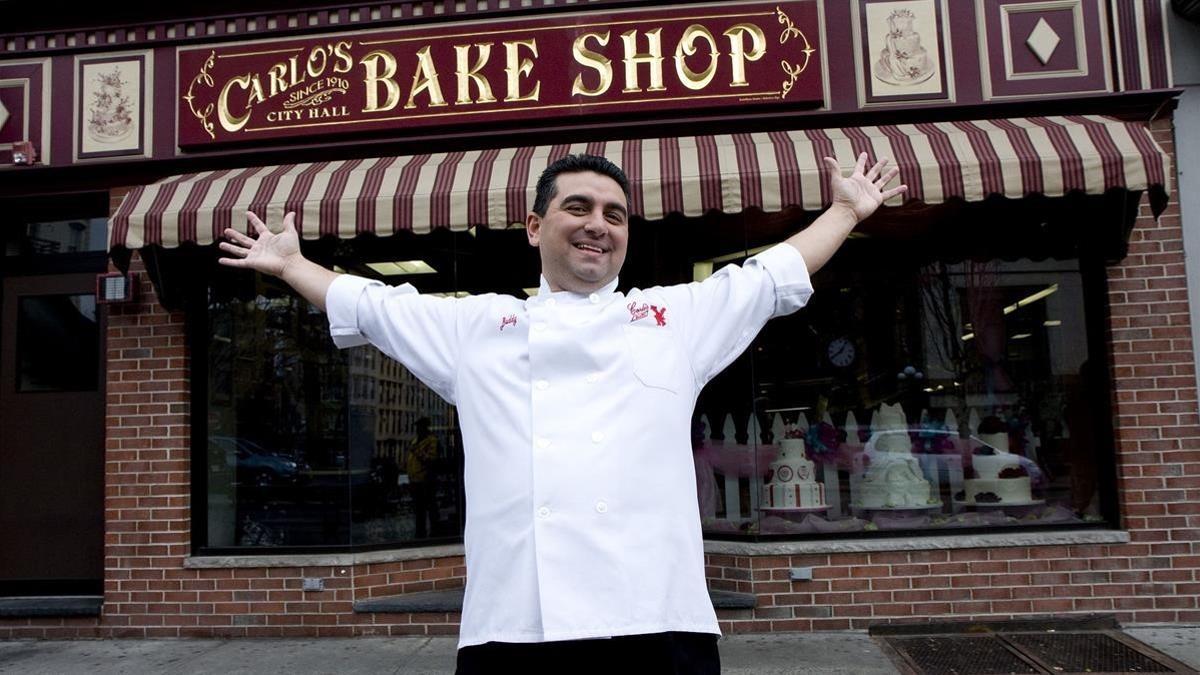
(584, 199)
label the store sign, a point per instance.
(688, 58)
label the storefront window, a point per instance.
(79, 235)
(314, 446)
(938, 380)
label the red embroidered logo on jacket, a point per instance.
(510, 320)
(660, 315)
(637, 312)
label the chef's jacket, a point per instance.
(581, 508)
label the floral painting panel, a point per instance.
(903, 48)
(110, 107)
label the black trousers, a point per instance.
(674, 653)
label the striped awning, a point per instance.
(771, 171)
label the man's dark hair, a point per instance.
(547, 186)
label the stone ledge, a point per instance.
(429, 601)
(51, 605)
(941, 542)
(451, 601)
(932, 543)
(322, 559)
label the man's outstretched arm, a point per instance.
(854, 198)
(278, 255)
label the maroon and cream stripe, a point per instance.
(771, 171)
(1143, 56)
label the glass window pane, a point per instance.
(915, 394)
(57, 343)
(77, 235)
(278, 468)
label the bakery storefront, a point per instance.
(988, 408)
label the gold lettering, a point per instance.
(342, 54)
(297, 76)
(311, 67)
(687, 47)
(632, 58)
(466, 75)
(228, 121)
(256, 92)
(372, 63)
(278, 73)
(590, 59)
(425, 78)
(737, 50)
(517, 67)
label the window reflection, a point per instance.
(908, 396)
(928, 385)
(57, 339)
(313, 446)
(79, 235)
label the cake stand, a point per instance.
(794, 509)
(795, 513)
(995, 505)
(924, 507)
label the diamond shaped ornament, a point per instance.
(1042, 41)
(3, 114)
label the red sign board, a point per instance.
(691, 57)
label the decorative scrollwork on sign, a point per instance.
(205, 78)
(792, 70)
(319, 98)
(789, 28)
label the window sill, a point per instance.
(931, 543)
(38, 606)
(942, 542)
(322, 559)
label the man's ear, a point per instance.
(533, 228)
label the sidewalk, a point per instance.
(850, 653)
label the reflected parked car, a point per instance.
(255, 465)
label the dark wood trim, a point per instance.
(38, 34)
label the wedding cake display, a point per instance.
(892, 477)
(791, 478)
(903, 60)
(997, 474)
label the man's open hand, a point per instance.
(862, 192)
(269, 253)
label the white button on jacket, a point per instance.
(623, 553)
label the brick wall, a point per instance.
(148, 592)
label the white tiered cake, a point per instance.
(903, 60)
(892, 476)
(791, 479)
(999, 476)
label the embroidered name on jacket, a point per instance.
(510, 320)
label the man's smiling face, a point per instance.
(583, 236)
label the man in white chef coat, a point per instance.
(575, 407)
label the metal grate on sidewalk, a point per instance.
(1020, 647)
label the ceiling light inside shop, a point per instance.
(701, 271)
(1052, 322)
(530, 291)
(1052, 288)
(968, 336)
(738, 255)
(391, 269)
(1021, 336)
(339, 269)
